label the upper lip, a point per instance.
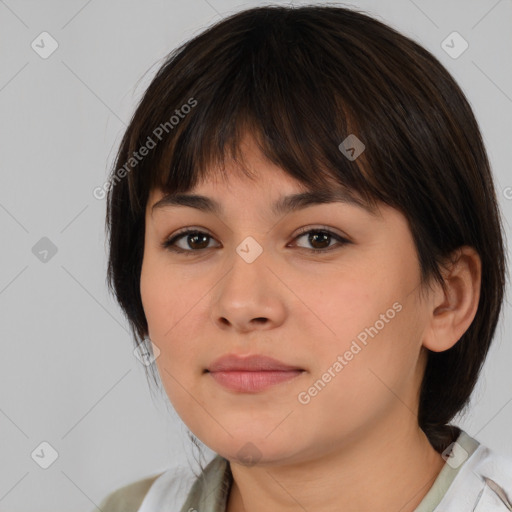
(253, 363)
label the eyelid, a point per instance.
(319, 227)
(170, 241)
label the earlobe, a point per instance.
(453, 309)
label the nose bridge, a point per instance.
(247, 295)
(248, 267)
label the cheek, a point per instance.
(372, 320)
(172, 309)
(344, 304)
(152, 297)
(166, 314)
(161, 295)
(372, 378)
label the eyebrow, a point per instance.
(285, 204)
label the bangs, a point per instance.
(308, 156)
(267, 83)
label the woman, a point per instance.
(305, 239)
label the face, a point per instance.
(346, 321)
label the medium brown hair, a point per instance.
(300, 80)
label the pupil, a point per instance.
(195, 236)
(314, 238)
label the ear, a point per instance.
(452, 311)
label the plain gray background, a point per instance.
(68, 374)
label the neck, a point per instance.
(391, 469)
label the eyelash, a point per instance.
(168, 244)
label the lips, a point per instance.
(251, 374)
(232, 362)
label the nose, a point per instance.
(248, 297)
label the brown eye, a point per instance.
(194, 241)
(320, 240)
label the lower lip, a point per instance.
(252, 382)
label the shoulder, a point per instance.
(497, 466)
(129, 497)
(483, 484)
(180, 488)
(495, 470)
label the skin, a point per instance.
(304, 309)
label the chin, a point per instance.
(248, 450)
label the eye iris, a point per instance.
(194, 237)
(313, 238)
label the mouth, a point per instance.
(251, 374)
